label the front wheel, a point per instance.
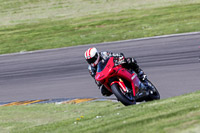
(153, 92)
(126, 99)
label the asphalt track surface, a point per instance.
(171, 63)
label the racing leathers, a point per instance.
(129, 63)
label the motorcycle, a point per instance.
(123, 83)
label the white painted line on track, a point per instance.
(122, 41)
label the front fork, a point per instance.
(122, 85)
(138, 92)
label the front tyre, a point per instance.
(126, 100)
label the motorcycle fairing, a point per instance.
(110, 70)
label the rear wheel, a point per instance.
(153, 92)
(124, 98)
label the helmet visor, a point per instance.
(93, 59)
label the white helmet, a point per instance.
(92, 56)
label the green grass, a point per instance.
(27, 25)
(178, 114)
(29, 11)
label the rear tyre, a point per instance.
(153, 92)
(126, 100)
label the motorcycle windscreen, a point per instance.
(102, 64)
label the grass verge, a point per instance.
(56, 32)
(177, 114)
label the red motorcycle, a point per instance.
(124, 84)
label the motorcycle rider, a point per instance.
(93, 57)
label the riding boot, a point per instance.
(132, 64)
(141, 75)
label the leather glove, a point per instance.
(120, 60)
